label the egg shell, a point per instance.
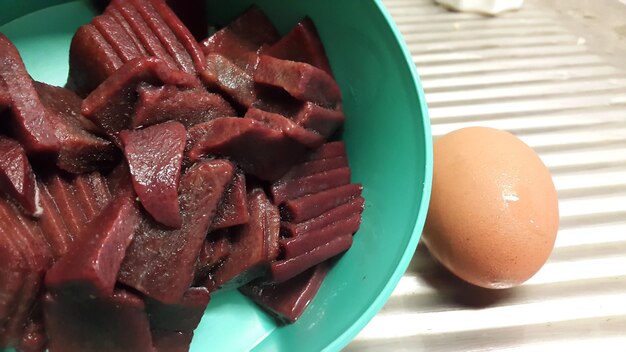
(493, 215)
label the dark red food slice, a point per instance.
(216, 249)
(329, 150)
(277, 101)
(315, 166)
(91, 265)
(142, 32)
(189, 106)
(253, 245)
(21, 288)
(233, 209)
(173, 324)
(295, 188)
(301, 44)
(272, 231)
(258, 149)
(117, 37)
(160, 262)
(154, 157)
(92, 194)
(66, 103)
(15, 268)
(17, 178)
(165, 34)
(14, 296)
(26, 236)
(14, 328)
(29, 120)
(355, 206)
(119, 179)
(244, 35)
(95, 325)
(312, 205)
(319, 119)
(119, 18)
(10, 294)
(34, 236)
(12, 281)
(34, 338)
(284, 270)
(111, 105)
(80, 151)
(287, 301)
(92, 60)
(18, 239)
(154, 24)
(182, 33)
(12, 258)
(223, 75)
(303, 81)
(171, 341)
(5, 100)
(53, 226)
(99, 184)
(287, 127)
(62, 193)
(293, 247)
(86, 196)
(182, 316)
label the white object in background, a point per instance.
(489, 7)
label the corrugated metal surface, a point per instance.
(561, 88)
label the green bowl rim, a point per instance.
(344, 338)
(347, 336)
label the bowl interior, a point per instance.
(389, 146)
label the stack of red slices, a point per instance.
(166, 170)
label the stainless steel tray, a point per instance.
(553, 73)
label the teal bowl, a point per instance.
(389, 146)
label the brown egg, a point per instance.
(494, 213)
